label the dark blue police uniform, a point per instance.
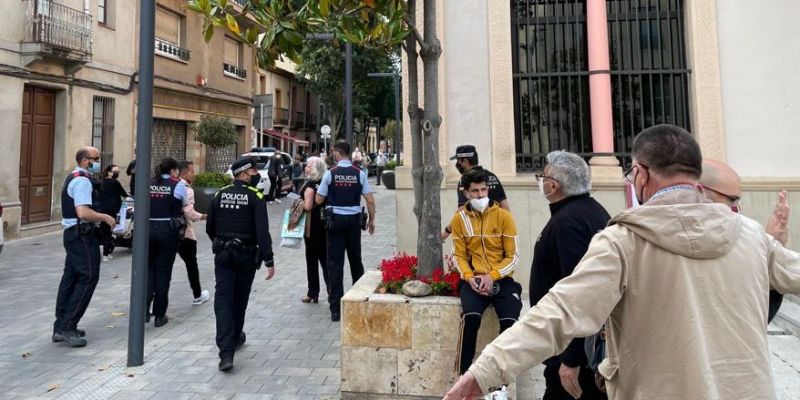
(82, 264)
(238, 226)
(343, 186)
(166, 229)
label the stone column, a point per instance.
(600, 92)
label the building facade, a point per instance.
(521, 78)
(67, 78)
(291, 113)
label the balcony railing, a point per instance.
(281, 116)
(298, 119)
(234, 70)
(67, 31)
(171, 50)
(311, 121)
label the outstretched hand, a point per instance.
(778, 224)
(466, 388)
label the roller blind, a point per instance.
(231, 52)
(168, 26)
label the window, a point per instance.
(103, 128)
(101, 11)
(649, 74)
(169, 33)
(233, 59)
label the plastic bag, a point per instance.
(292, 243)
(121, 225)
(500, 394)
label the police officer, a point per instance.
(239, 229)
(343, 186)
(81, 242)
(167, 198)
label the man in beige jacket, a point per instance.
(681, 284)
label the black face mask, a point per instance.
(255, 179)
(460, 168)
(115, 175)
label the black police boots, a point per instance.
(335, 316)
(242, 340)
(226, 364)
(71, 338)
(58, 337)
(161, 321)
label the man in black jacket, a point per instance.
(575, 218)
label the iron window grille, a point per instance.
(649, 74)
(103, 128)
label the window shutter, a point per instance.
(231, 52)
(168, 26)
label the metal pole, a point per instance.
(348, 92)
(144, 123)
(399, 130)
(261, 131)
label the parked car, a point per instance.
(262, 156)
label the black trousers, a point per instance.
(344, 235)
(163, 249)
(507, 305)
(554, 390)
(107, 236)
(378, 172)
(316, 257)
(234, 272)
(80, 277)
(187, 249)
(274, 188)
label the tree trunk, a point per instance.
(414, 116)
(429, 246)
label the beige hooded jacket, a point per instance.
(683, 287)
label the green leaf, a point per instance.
(223, 3)
(252, 35)
(293, 37)
(208, 33)
(232, 24)
(324, 8)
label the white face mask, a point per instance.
(541, 190)
(479, 204)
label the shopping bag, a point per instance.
(299, 229)
(120, 227)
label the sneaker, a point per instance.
(107, 258)
(202, 299)
(278, 201)
(70, 338)
(271, 202)
(226, 364)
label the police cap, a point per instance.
(242, 164)
(465, 151)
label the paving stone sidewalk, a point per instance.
(292, 349)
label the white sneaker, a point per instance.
(108, 258)
(202, 299)
(278, 201)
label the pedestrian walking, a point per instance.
(485, 250)
(342, 188)
(111, 195)
(297, 173)
(274, 167)
(380, 163)
(131, 171)
(575, 217)
(187, 247)
(167, 225)
(315, 236)
(681, 284)
(238, 227)
(80, 218)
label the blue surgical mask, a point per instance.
(94, 167)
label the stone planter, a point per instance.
(203, 197)
(387, 178)
(398, 347)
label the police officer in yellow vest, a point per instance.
(239, 229)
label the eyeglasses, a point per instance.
(541, 177)
(733, 201)
(628, 175)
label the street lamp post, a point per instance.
(348, 83)
(396, 77)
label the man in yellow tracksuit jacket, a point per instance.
(485, 246)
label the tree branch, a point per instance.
(418, 36)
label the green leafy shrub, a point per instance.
(216, 131)
(212, 179)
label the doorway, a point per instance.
(36, 153)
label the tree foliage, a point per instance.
(279, 29)
(216, 131)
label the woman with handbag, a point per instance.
(315, 235)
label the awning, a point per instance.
(283, 136)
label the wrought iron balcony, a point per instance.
(281, 116)
(311, 121)
(298, 119)
(171, 50)
(234, 70)
(54, 30)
